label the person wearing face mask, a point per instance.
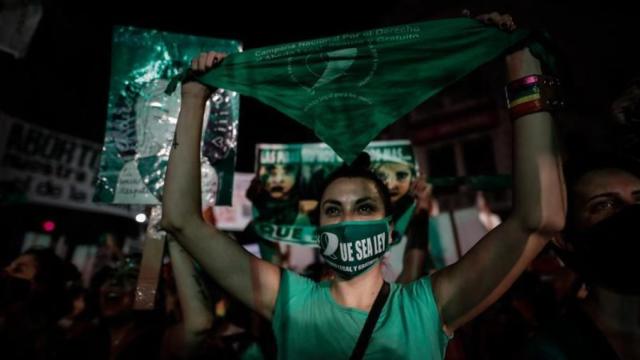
(600, 243)
(357, 314)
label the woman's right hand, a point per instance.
(199, 65)
(421, 191)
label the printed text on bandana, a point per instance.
(364, 248)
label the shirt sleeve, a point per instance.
(422, 291)
(293, 288)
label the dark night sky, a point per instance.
(63, 82)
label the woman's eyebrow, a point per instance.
(607, 194)
(364, 199)
(332, 202)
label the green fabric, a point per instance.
(401, 224)
(269, 251)
(309, 324)
(252, 352)
(352, 247)
(148, 168)
(349, 87)
(293, 234)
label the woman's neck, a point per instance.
(359, 292)
(618, 317)
(617, 312)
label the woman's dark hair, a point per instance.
(360, 168)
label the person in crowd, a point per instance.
(33, 299)
(320, 320)
(602, 318)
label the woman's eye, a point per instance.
(401, 175)
(332, 211)
(366, 209)
(603, 206)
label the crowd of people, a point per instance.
(553, 280)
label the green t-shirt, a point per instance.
(309, 324)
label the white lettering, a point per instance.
(350, 247)
(343, 252)
(358, 250)
(368, 248)
(381, 242)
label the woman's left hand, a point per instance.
(421, 191)
(502, 21)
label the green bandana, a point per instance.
(349, 87)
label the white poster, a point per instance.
(442, 244)
(38, 165)
(470, 228)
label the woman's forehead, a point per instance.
(607, 181)
(351, 189)
(394, 167)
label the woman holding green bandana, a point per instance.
(324, 320)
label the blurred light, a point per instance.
(141, 218)
(48, 226)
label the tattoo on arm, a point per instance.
(175, 140)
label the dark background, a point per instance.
(63, 81)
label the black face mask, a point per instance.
(608, 253)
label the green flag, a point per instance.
(349, 87)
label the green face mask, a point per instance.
(352, 247)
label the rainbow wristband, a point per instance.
(532, 93)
